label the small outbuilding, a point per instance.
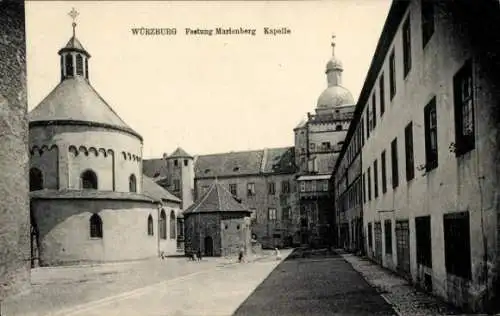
(217, 224)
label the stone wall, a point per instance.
(14, 204)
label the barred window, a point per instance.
(431, 146)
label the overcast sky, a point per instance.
(207, 94)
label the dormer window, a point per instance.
(207, 170)
(338, 127)
(236, 169)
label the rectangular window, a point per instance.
(424, 247)
(369, 184)
(185, 162)
(313, 185)
(285, 186)
(381, 84)
(286, 213)
(177, 184)
(427, 7)
(394, 160)
(302, 186)
(253, 215)
(457, 244)
(367, 123)
(407, 46)
(370, 236)
(325, 185)
(410, 164)
(362, 132)
(375, 178)
(233, 188)
(464, 110)
(384, 172)
(250, 189)
(271, 188)
(176, 163)
(388, 236)
(431, 149)
(374, 109)
(364, 188)
(272, 214)
(392, 74)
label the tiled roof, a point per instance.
(180, 153)
(154, 168)
(216, 199)
(280, 160)
(150, 188)
(229, 164)
(74, 99)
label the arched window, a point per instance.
(69, 65)
(89, 180)
(79, 65)
(36, 179)
(132, 183)
(163, 225)
(150, 225)
(95, 226)
(172, 225)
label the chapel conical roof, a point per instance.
(217, 199)
(75, 100)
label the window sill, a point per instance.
(95, 238)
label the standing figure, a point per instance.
(240, 256)
(199, 254)
(278, 255)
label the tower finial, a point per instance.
(73, 14)
(333, 44)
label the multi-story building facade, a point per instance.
(429, 150)
(318, 141)
(264, 180)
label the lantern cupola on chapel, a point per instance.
(74, 58)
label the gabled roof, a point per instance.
(229, 164)
(216, 199)
(150, 188)
(180, 153)
(74, 99)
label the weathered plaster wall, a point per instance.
(64, 230)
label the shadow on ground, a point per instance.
(314, 282)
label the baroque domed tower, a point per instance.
(335, 94)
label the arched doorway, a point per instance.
(209, 246)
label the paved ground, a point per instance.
(404, 298)
(317, 284)
(61, 289)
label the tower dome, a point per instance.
(335, 94)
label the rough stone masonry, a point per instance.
(14, 199)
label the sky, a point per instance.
(206, 94)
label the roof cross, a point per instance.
(333, 44)
(73, 14)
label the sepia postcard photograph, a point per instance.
(220, 158)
